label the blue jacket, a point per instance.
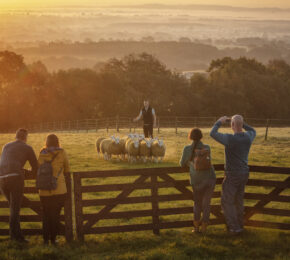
(14, 156)
(237, 147)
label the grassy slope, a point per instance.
(180, 244)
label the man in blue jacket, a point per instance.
(237, 147)
(13, 158)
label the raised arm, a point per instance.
(219, 137)
(250, 131)
(154, 117)
(33, 162)
(138, 117)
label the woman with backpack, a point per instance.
(53, 165)
(202, 178)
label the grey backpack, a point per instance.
(45, 179)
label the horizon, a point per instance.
(267, 4)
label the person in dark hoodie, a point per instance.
(52, 201)
(13, 158)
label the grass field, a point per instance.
(171, 244)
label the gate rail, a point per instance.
(156, 178)
(33, 204)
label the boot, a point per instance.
(196, 225)
(203, 227)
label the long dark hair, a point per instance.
(195, 135)
(52, 141)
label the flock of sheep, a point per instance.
(132, 147)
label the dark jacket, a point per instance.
(14, 156)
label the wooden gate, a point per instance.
(34, 213)
(95, 191)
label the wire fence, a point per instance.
(126, 123)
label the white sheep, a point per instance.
(145, 149)
(132, 147)
(158, 150)
(111, 146)
(98, 143)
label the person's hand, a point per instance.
(223, 119)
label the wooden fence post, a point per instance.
(107, 125)
(68, 210)
(78, 207)
(87, 121)
(96, 125)
(155, 208)
(267, 127)
(77, 126)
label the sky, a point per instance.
(49, 3)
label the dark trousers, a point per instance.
(232, 199)
(148, 131)
(202, 194)
(51, 207)
(12, 189)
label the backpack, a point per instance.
(45, 179)
(201, 160)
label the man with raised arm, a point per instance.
(237, 147)
(148, 115)
(13, 158)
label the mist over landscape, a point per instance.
(185, 37)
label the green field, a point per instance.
(171, 244)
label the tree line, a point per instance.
(31, 94)
(182, 55)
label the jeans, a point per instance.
(148, 131)
(12, 189)
(202, 194)
(232, 200)
(51, 206)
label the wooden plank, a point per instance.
(270, 211)
(155, 208)
(28, 232)
(28, 218)
(131, 172)
(274, 225)
(121, 215)
(78, 207)
(145, 185)
(117, 229)
(170, 170)
(266, 198)
(122, 196)
(272, 196)
(267, 183)
(270, 169)
(140, 199)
